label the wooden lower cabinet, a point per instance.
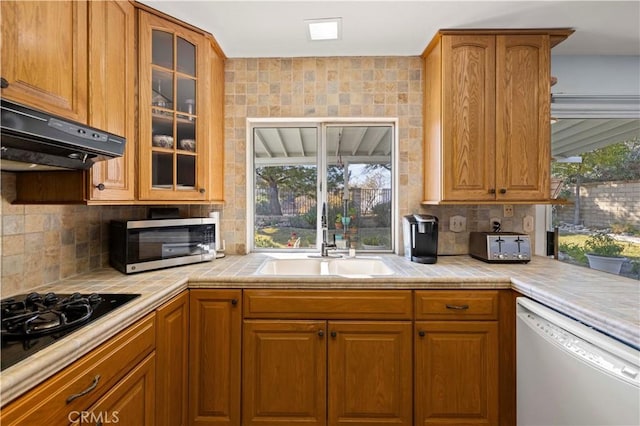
(457, 357)
(370, 373)
(172, 361)
(214, 356)
(200, 360)
(284, 373)
(119, 374)
(131, 401)
(456, 373)
(305, 372)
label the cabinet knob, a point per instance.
(503, 190)
(100, 186)
(422, 333)
(321, 333)
(492, 190)
(202, 190)
(334, 334)
(3, 83)
(234, 302)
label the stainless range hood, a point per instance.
(35, 140)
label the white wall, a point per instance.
(596, 75)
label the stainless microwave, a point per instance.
(144, 245)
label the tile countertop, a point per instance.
(604, 301)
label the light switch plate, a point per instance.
(507, 210)
(458, 224)
(527, 224)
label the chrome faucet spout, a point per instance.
(325, 246)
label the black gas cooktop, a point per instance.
(31, 322)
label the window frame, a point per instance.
(321, 124)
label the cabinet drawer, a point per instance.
(328, 304)
(456, 305)
(47, 403)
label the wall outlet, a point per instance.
(507, 210)
(527, 224)
(492, 223)
(458, 224)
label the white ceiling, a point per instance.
(402, 28)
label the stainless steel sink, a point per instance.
(320, 266)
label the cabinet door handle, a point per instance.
(334, 334)
(321, 333)
(234, 302)
(492, 190)
(91, 387)
(422, 333)
(100, 187)
(3, 83)
(503, 190)
(202, 190)
(457, 307)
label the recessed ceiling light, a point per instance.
(324, 29)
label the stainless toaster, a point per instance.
(500, 247)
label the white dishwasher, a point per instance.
(571, 375)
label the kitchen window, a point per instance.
(298, 166)
(596, 148)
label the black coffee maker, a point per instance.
(420, 232)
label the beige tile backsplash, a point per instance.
(42, 244)
(45, 243)
(338, 87)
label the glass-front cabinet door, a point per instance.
(173, 111)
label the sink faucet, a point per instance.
(325, 246)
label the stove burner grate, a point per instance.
(37, 315)
(31, 322)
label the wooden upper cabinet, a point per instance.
(487, 110)
(174, 111)
(216, 125)
(468, 102)
(44, 55)
(112, 76)
(523, 111)
(110, 104)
